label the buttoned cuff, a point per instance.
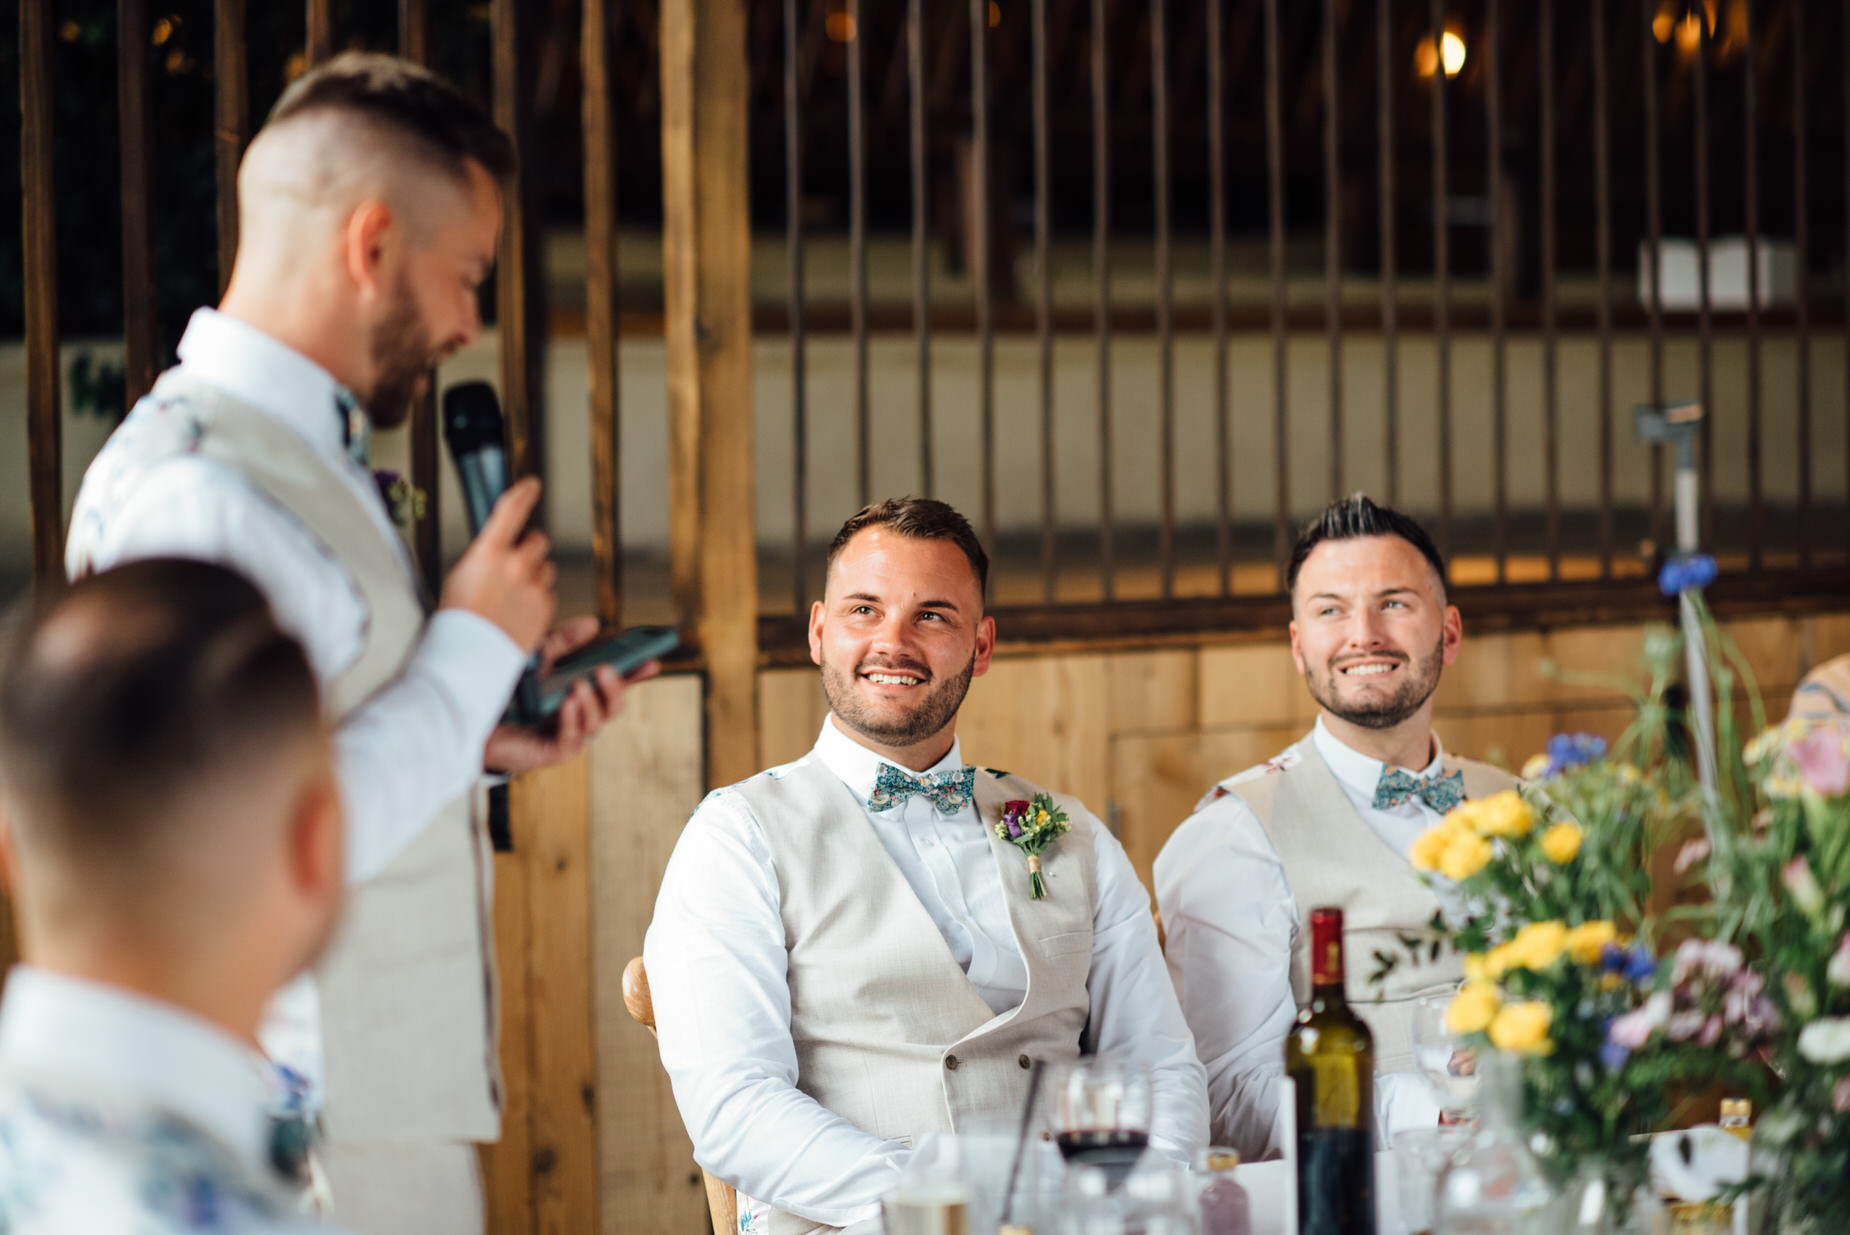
(483, 663)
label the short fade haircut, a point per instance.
(129, 689)
(921, 518)
(450, 129)
(1352, 518)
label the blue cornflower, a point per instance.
(1685, 571)
(1612, 1055)
(1570, 750)
(1635, 964)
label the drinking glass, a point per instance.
(1441, 1055)
(1098, 1109)
(933, 1197)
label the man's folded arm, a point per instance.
(1230, 920)
(1134, 1008)
(717, 964)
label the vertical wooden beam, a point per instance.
(135, 107)
(600, 116)
(320, 23)
(39, 243)
(231, 101)
(427, 534)
(507, 1165)
(520, 295)
(552, 809)
(707, 262)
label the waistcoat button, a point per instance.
(1025, 1062)
(950, 1061)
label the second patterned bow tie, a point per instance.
(947, 791)
(1441, 792)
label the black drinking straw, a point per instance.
(1021, 1141)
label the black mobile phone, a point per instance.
(622, 653)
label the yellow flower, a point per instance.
(1477, 967)
(1504, 814)
(1537, 765)
(1586, 941)
(1472, 1008)
(1431, 845)
(1523, 1026)
(1499, 961)
(1462, 817)
(1465, 856)
(1538, 945)
(1562, 842)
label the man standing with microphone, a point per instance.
(371, 205)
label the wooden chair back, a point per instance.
(722, 1200)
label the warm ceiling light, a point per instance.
(841, 27)
(995, 14)
(1451, 53)
(1663, 23)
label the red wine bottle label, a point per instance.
(1326, 946)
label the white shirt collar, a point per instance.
(123, 1044)
(250, 365)
(858, 766)
(1356, 770)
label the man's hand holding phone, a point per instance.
(591, 702)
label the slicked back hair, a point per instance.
(1353, 517)
(438, 121)
(130, 689)
(921, 518)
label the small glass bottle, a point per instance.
(1225, 1207)
(1493, 1185)
(1738, 1117)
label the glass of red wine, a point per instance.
(1098, 1109)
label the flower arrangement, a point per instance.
(1031, 826)
(404, 500)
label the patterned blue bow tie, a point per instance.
(356, 432)
(948, 791)
(1441, 792)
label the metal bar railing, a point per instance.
(979, 222)
(1499, 292)
(319, 23)
(1654, 225)
(414, 45)
(1551, 393)
(39, 261)
(1750, 189)
(1442, 292)
(1801, 240)
(1705, 318)
(1602, 194)
(1333, 243)
(1281, 411)
(1217, 273)
(1101, 293)
(1043, 294)
(793, 250)
(921, 270)
(1390, 292)
(857, 256)
(135, 107)
(1165, 294)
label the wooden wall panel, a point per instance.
(1044, 717)
(791, 706)
(1153, 692)
(1252, 684)
(507, 1165)
(646, 774)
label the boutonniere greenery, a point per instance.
(405, 500)
(1031, 826)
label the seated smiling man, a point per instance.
(1330, 820)
(845, 955)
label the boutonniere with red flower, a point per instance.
(404, 500)
(1031, 826)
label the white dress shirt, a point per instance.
(1230, 953)
(121, 1113)
(411, 748)
(716, 958)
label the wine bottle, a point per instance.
(1330, 1056)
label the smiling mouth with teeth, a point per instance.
(1367, 671)
(892, 679)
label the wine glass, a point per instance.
(1098, 1110)
(1448, 1065)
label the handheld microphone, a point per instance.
(476, 435)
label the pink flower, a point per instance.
(1821, 760)
(1634, 1029)
(1840, 1097)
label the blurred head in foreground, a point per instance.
(169, 818)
